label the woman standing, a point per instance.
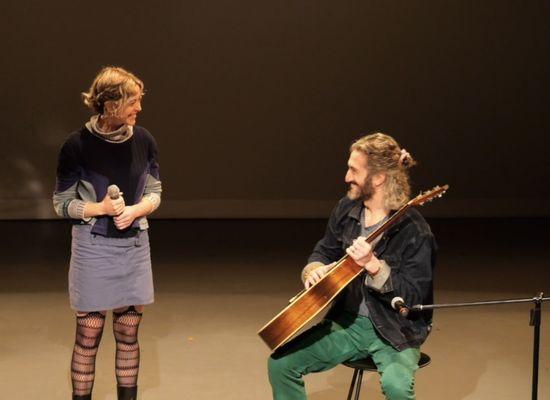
(107, 182)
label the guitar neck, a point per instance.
(422, 198)
(389, 222)
(381, 229)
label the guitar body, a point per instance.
(309, 304)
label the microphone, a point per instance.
(113, 191)
(398, 304)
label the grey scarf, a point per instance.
(120, 135)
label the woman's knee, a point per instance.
(138, 308)
(81, 314)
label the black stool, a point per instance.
(366, 364)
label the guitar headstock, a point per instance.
(429, 195)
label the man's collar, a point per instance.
(355, 211)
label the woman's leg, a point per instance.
(125, 328)
(89, 328)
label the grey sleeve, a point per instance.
(67, 205)
(381, 282)
(69, 196)
(153, 190)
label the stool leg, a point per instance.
(352, 386)
(355, 384)
(358, 386)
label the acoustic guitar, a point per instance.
(309, 303)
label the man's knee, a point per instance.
(397, 382)
(283, 368)
(277, 366)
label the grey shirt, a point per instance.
(356, 291)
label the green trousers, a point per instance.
(349, 337)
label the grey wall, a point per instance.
(254, 103)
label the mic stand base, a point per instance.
(535, 323)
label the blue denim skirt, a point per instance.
(107, 273)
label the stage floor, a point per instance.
(218, 282)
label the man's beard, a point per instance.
(363, 192)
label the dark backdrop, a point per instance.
(254, 103)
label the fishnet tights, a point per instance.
(89, 329)
(125, 328)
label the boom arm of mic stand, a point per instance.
(422, 307)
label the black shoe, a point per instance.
(127, 393)
(83, 397)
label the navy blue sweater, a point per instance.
(88, 164)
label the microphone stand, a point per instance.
(535, 322)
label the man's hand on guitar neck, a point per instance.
(361, 252)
